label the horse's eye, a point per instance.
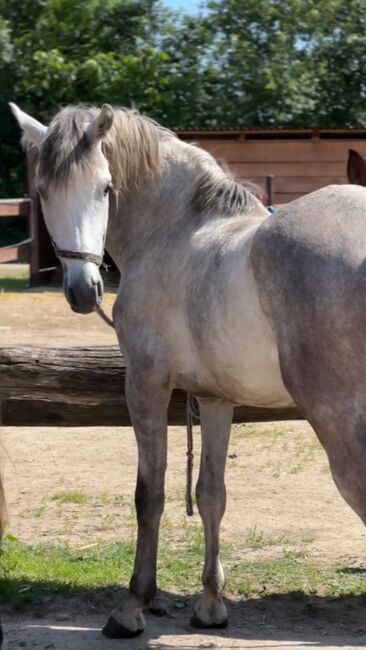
(107, 189)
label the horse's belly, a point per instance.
(252, 376)
(246, 377)
(237, 356)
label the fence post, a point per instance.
(41, 254)
(269, 188)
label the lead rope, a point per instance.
(104, 317)
(190, 456)
(191, 412)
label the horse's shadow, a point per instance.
(73, 620)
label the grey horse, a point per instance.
(216, 297)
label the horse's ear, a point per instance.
(100, 126)
(33, 131)
(356, 168)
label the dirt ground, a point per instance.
(278, 485)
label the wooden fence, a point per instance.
(84, 387)
(22, 250)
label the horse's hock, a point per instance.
(83, 386)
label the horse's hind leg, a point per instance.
(147, 403)
(216, 418)
(345, 444)
(337, 412)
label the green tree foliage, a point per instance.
(237, 63)
(289, 62)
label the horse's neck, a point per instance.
(163, 204)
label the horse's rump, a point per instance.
(310, 267)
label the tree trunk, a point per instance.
(83, 387)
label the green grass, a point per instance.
(256, 539)
(9, 285)
(255, 431)
(32, 575)
(70, 497)
(15, 279)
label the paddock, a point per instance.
(286, 530)
(74, 486)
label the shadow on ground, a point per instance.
(72, 620)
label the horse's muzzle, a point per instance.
(84, 298)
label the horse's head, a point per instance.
(73, 180)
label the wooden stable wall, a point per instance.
(299, 161)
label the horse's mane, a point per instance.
(132, 148)
(221, 194)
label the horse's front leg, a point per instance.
(216, 418)
(147, 403)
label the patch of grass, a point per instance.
(8, 285)
(255, 539)
(37, 511)
(70, 497)
(108, 522)
(256, 431)
(32, 575)
(106, 499)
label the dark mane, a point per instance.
(223, 195)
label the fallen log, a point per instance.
(83, 386)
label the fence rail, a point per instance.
(20, 251)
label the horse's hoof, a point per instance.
(115, 630)
(196, 622)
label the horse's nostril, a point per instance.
(72, 297)
(99, 290)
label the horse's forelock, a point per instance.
(66, 146)
(131, 147)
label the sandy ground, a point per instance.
(278, 484)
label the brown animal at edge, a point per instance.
(356, 168)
